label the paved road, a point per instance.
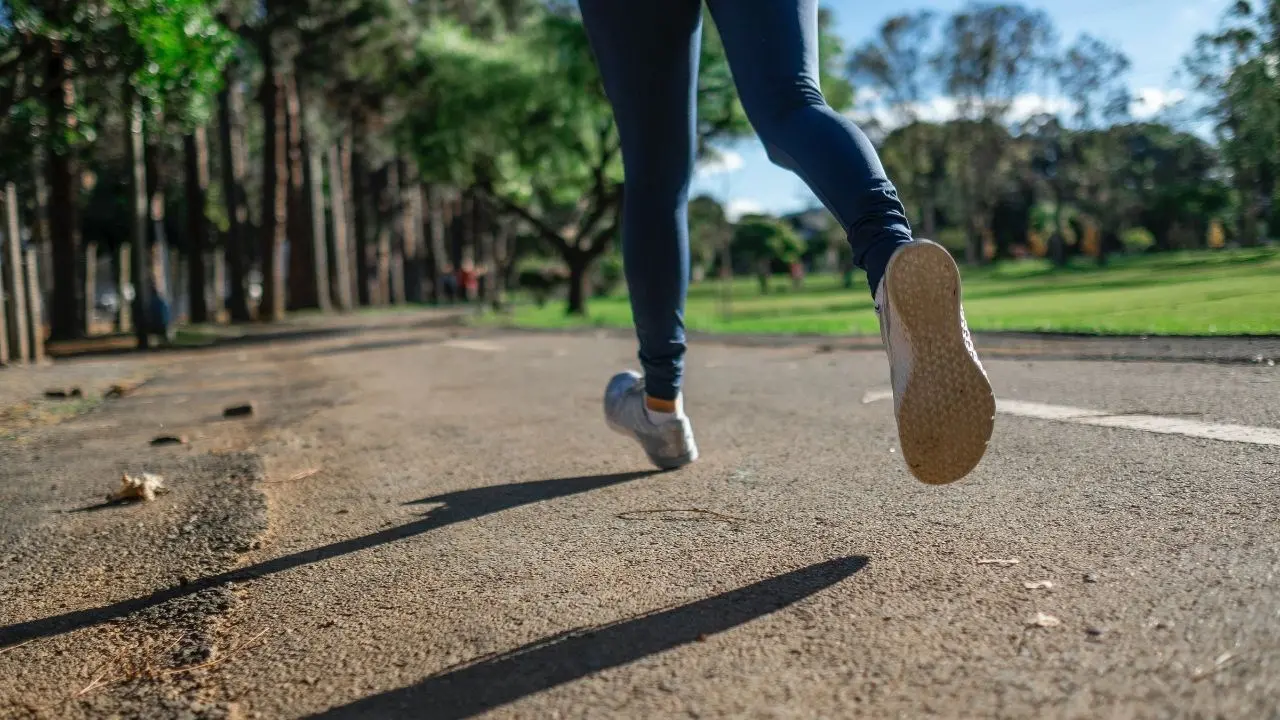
(450, 531)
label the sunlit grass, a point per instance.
(1227, 292)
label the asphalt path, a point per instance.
(426, 522)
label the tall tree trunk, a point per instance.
(379, 241)
(67, 317)
(578, 263)
(275, 190)
(467, 225)
(973, 248)
(503, 260)
(313, 192)
(134, 147)
(195, 149)
(89, 293)
(390, 242)
(155, 207)
(230, 112)
(304, 290)
(219, 281)
(930, 221)
(40, 224)
(411, 232)
(484, 231)
(434, 211)
(359, 202)
(340, 258)
(35, 328)
(124, 279)
(314, 183)
(14, 283)
(349, 196)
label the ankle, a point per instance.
(660, 410)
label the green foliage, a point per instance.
(1138, 239)
(176, 56)
(1235, 70)
(609, 275)
(513, 113)
(709, 230)
(764, 239)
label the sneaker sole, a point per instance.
(947, 410)
(660, 463)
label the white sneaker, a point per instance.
(669, 444)
(941, 396)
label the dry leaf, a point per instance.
(1038, 585)
(142, 487)
(1044, 621)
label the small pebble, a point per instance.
(162, 440)
(1095, 631)
(1090, 578)
(238, 410)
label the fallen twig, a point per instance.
(295, 477)
(707, 515)
(99, 681)
(15, 647)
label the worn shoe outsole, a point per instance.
(947, 410)
(673, 463)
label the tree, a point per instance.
(546, 153)
(895, 65)
(990, 54)
(1091, 75)
(562, 178)
(709, 232)
(167, 53)
(1236, 71)
(763, 241)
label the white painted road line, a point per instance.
(476, 345)
(1146, 423)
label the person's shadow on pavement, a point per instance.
(458, 506)
(489, 682)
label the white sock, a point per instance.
(657, 418)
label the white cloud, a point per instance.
(726, 161)
(1027, 106)
(1149, 101)
(943, 108)
(738, 207)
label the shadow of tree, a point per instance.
(493, 681)
(457, 507)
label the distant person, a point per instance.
(449, 283)
(468, 280)
(648, 58)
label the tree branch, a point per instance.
(544, 231)
(604, 195)
(601, 239)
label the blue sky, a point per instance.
(1155, 34)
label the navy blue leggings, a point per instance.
(648, 51)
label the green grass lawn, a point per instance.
(1225, 292)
